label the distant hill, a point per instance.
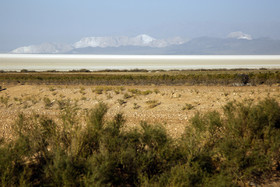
(227, 46)
(198, 46)
(124, 50)
(237, 43)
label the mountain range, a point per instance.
(236, 43)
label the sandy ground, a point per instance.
(172, 106)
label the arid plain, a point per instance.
(172, 106)
(52, 110)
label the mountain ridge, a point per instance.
(236, 43)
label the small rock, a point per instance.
(254, 184)
(176, 95)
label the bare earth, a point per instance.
(172, 106)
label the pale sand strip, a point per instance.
(43, 62)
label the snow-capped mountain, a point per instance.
(236, 43)
(239, 35)
(142, 40)
(51, 48)
(118, 41)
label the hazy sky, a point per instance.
(25, 22)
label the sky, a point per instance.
(26, 22)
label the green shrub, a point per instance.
(153, 103)
(5, 100)
(63, 103)
(242, 144)
(52, 89)
(146, 92)
(135, 91)
(251, 139)
(47, 102)
(136, 106)
(127, 96)
(121, 101)
(188, 106)
(246, 141)
(98, 90)
(156, 91)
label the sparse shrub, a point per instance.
(153, 103)
(19, 100)
(98, 90)
(135, 106)
(63, 103)
(80, 70)
(109, 96)
(156, 91)
(47, 102)
(108, 88)
(146, 92)
(82, 91)
(118, 90)
(5, 100)
(243, 78)
(135, 91)
(84, 70)
(188, 106)
(34, 99)
(139, 92)
(226, 94)
(52, 89)
(62, 96)
(127, 96)
(121, 101)
(96, 116)
(24, 71)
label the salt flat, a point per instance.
(42, 62)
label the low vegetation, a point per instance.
(153, 103)
(5, 100)
(188, 106)
(232, 148)
(187, 77)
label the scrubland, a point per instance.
(192, 128)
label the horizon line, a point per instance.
(97, 56)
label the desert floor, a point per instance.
(172, 106)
